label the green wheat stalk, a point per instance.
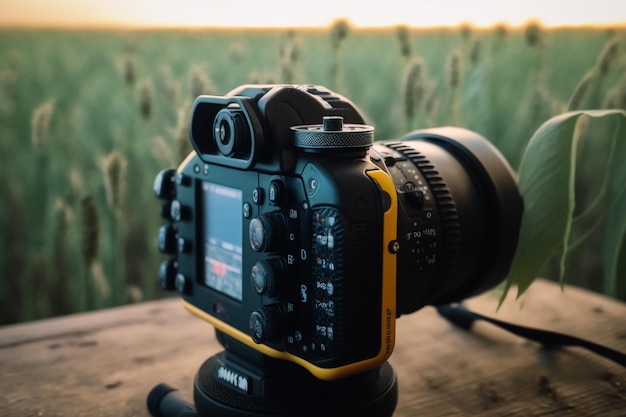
(145, 92)
(90, 229)
(200, 81)
(114, 169)
(453, 76)
(616, 96)
(413, 87)
(338, 33)
(40, 125)
(129, 68)
(180, 132)
(62, 297)
(403, 35)
(586, 93)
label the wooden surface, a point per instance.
(104, 363)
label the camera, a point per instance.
(300, 238)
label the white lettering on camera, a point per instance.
(233, 378)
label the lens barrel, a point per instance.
(459, 215)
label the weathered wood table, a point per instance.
(104, 363)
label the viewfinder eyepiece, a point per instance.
(230, 133)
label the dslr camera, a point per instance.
(302, 240)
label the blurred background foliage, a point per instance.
(87, 119)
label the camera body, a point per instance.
(294, 234)
(280, 246)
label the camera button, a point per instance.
(258, 277)
(166, 210)
(183, 284)
(311, 178)
(179, 212)
(182, 179)
(257, 195)
(267, 232)
(389, 161)
(257, 235)
(258, 327)
(312, 184)
(167, 239)
(167, 274)
(277, 192)
(183, 245)
(266, 276)
(413, 195)
(164, 184)
(266, 324)
(247, 210)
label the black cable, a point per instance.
(459, 315)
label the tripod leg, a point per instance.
(164, 401)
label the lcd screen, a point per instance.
(223, 239)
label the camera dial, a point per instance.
(267, 276)
(267, 232)
(333, 135)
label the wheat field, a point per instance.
(87, 119)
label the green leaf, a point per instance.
(615, 229)
(547, 177)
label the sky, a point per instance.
(294, 13)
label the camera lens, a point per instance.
(458, 217)
(225, 134)
(230, 133)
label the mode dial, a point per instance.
(333, 135)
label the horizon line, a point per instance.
(147, 27)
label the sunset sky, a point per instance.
(283, 13)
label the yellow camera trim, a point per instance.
(388, 310)
(389, 272)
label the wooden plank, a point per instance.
(104, 363)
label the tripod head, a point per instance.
(241, 382)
